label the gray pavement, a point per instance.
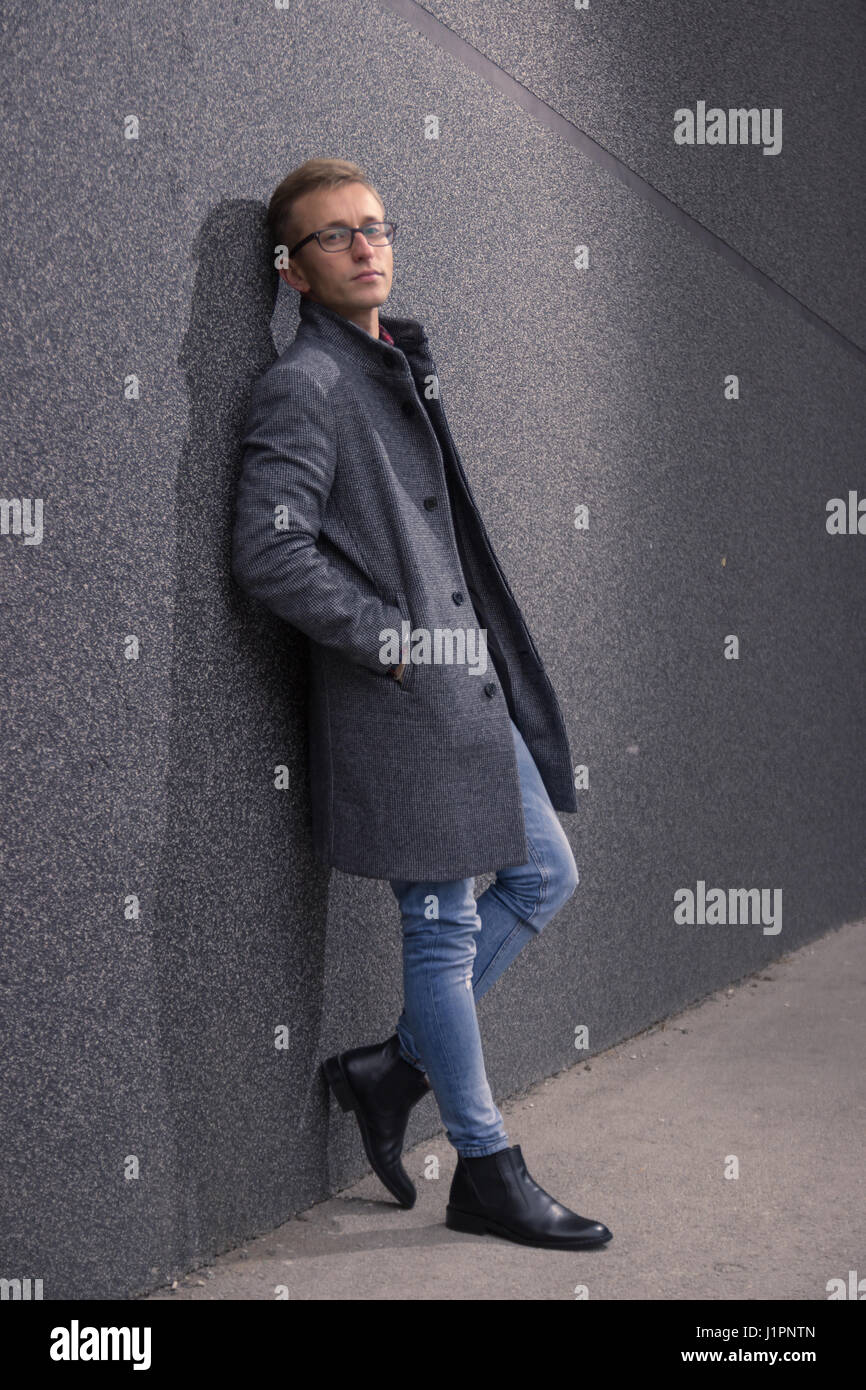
(768, 1073)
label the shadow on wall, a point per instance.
(241, 904)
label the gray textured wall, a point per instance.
(151, 1037)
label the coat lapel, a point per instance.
(367, 353)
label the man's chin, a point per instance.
(362, 296)
(369, 287)
(368, 295)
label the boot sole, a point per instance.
(347, 1100)
(473, 1224)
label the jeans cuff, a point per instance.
(494, 1147)
(413, 1061)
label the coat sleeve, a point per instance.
(286, 477)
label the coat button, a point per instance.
(408, 408)
(430, 503)
(490, 688)
(457, 596)
(389, 360)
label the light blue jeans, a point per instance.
(451, 959)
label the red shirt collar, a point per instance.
(383, 333)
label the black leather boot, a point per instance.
(381, 1087)
(495, 1193)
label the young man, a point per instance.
(356, 524)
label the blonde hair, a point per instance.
(315, 173)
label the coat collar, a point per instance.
(366, 352)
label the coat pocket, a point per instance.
(407, 680)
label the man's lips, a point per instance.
(366, 274)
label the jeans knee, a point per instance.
(566, 880)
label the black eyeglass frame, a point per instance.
(353, 230)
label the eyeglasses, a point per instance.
(341, 238)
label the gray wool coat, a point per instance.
(354, 515)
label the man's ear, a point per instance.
(283, 273)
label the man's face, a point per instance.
(331, 277)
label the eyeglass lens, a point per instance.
(338, 238)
